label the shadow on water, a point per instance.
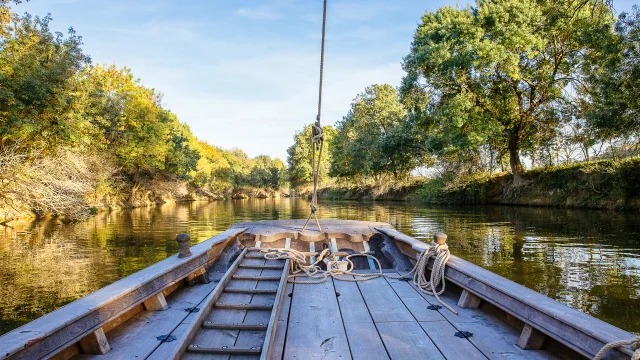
(589, 260)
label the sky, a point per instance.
(244, 74)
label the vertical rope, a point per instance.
(324, 23)
(317, 138)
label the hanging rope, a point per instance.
(300, 268)
(317, 137)
(633, 343)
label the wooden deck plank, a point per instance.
(364, 341)
(407, 340)
(352, 306)
(492, 336)
(315, 327)
(383, 303)
(452, 347)
(416, 304)
(136, 338)
(281, 330)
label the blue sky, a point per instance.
(245, 73)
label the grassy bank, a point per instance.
(606, 184)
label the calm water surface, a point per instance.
(589, 260)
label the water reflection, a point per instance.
(589, 260)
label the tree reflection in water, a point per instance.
(587, 259)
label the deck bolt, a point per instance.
(195, 346)
(224, 347)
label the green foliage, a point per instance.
(494, 69)
(614, 79)
(53, 99)
(376, 137)
(39, 90)
(300, 153)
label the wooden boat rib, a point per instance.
(226, 301)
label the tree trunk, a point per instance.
(514, 159)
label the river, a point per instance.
(586, 259)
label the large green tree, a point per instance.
(375, 137)
(494, 69)
(299, 156)
(613, 89)
(40, 97)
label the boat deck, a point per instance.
(388, 319)
(377, 319)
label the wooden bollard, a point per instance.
(440, 238)
(184, 242)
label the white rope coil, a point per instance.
(317, 275)
(633, 343)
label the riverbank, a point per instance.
(605, 184)
(148, 194)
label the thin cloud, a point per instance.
(263, 13)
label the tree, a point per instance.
(370, 134)
(40, 95)
(493, 70)
(299, 156)
(613, 86)
(128, 119)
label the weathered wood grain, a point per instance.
(416, 304)
(469, 300)
(452, 347)
(364, 341)
(530, 338)
(281, 330)
(352, 306)
(407, 340)
(156, 302)
(95, 343)
(268, 346)
(383, 303)
(315, 327)
(136, 338)
(574, 329)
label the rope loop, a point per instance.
(634, 344)
(299, 268)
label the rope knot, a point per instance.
(316, 133)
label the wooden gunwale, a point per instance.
(54, 332)
(583, 333)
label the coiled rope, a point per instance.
(428, 286)
(633, 343)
